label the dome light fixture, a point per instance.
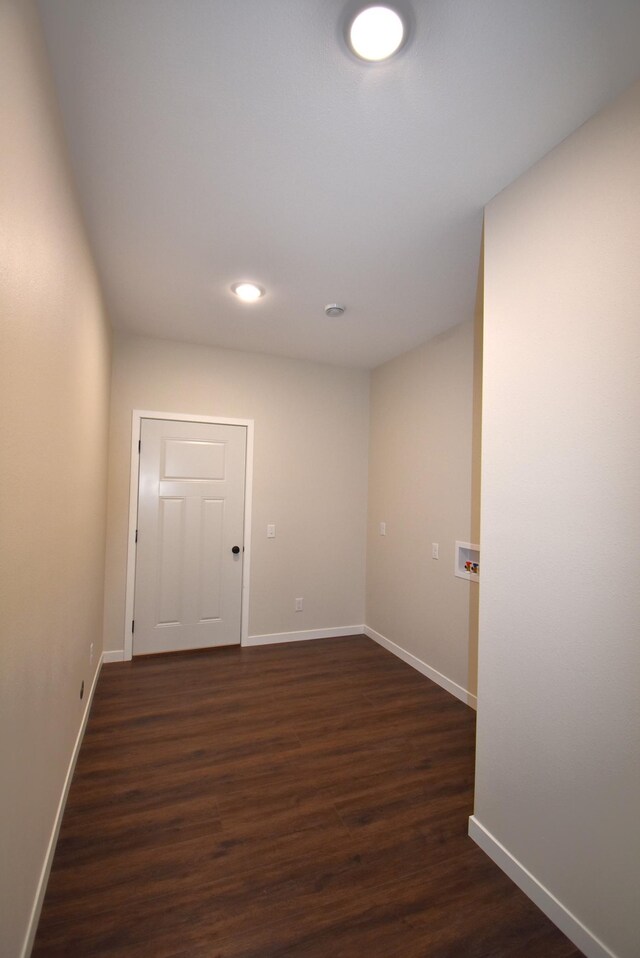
(376, 33)
(247, 292)
(334, 309)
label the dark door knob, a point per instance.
(236, 550)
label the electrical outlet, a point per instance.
(299, 605)
(271, 531)
(434, 550)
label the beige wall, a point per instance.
(558, 770)
(310, 467)
(420, 485)
(54, 357)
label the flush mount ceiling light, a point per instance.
(334, 309)
(247, 292)
(376, 33)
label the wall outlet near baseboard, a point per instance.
(299, 604)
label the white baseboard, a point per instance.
(117, 655)
(113, 655)
(567, 922)
(34, 918)
(463, 694)
(303, 636)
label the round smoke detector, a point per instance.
(334, 309)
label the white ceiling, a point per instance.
(219, 140)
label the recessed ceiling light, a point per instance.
(247, 292)
(376, 33)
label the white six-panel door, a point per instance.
(188, 585)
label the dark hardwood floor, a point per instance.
(308, 799)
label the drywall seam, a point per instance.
(446, 683)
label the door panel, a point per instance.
(212, 524)
(188, 592)
(171, 536)
(193, 460)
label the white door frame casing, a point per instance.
(136, 423)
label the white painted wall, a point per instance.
(54, 380)
(421, 486)
(310, 473)
(558, 761)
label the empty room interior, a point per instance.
(320, 478)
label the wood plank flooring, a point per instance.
(304, 800)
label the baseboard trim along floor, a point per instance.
(582, 938)
(113, 655)
(276, 637)
(442, 680)
(34, 918)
